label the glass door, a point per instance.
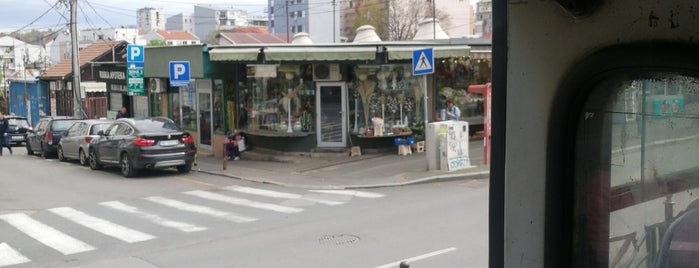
(204, 116)
(331, 124)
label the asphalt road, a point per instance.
(55, 214)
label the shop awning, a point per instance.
(234, 54)
(320, 53)
(440, 52)
(481, 54)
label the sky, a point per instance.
(47, 14)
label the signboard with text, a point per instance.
(135, 83)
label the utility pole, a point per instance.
(77, 103)
(286, 12)
(334, 34)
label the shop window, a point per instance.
(274, 94)
(636, 165)
(174, 101)
(453, 76)
(189, 109)
(156, 104)
(388, 92)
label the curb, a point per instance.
(441, 177)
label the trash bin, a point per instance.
(446, 145)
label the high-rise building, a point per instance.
(180, 22)
(208, 19)
(460, 17)
(150, 19)
(319, 18)
(484, 19)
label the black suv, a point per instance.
(19, 125)
(134, 144)
(47, 133)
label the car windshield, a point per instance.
(97, 127)
(157, 126)
(19, 122)
(62, 125)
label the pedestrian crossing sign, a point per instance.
(423, 61)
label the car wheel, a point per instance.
(84, 161)
(126, 166)
(184, 168)
(94, 164)
(29, 149)
(61, 157)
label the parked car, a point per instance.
(75, 144)
(46, 135)
(19, 125)
(135, 144)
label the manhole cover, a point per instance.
(338, 239)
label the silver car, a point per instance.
(75, 144)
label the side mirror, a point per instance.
(22, 130)
(100, 133)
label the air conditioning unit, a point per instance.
(155, 85)
(326, 72)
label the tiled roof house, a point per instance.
(172, 37)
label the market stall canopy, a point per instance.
(234, 53)
(396, 52)
(320, 53)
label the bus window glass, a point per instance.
(637, 169)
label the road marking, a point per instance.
(103, 226)
(46, 235)
(199, 209)
(243, 202)
(423, 256)
(197, 182)
(9, 256)
(350, 193)
(182, 226)
(275, 194)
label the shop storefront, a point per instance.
(323, 96)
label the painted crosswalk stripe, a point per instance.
(46, 235)
(199, 209)
(282, 195)
(243, 202)
(103, 226)
(182, 226)
(350, 193)
(9, 256)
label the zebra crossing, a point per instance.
(232, 197)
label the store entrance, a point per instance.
(332, 123)
(204, 117)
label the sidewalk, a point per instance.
(341, 171)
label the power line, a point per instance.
(35, 20)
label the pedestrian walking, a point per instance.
(4, 139)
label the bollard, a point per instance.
(196, 159)
(224, 161)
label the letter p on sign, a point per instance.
(179, 73)
(134, 53)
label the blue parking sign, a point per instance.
(179, 73)
(134, 53)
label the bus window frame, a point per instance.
(566, 111)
